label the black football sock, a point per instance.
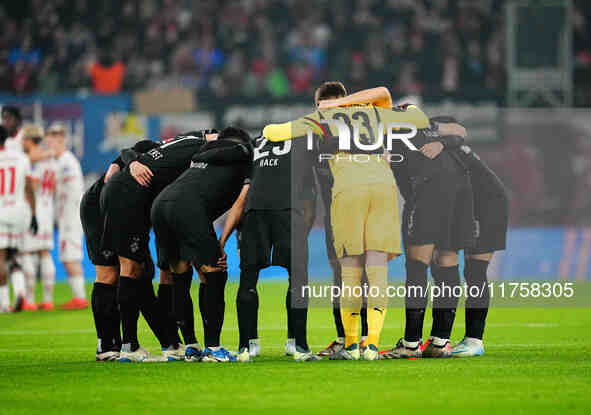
(214, 307)
(165, 307)
(338, 321)
(297, 305)
(128, 299)
(181, 295)
(150, 309)
(476, 306)
(336, 305)
(106, 317)
(290, 316)
(247, 303)
(202, 293)
(445, 304)
(416, 299)
(188, 329)
(363, 314)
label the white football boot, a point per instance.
(468, 347)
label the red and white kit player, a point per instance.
(12, 120)
(17, 201)
(69, 188)
(37, 247)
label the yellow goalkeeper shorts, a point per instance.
(365, 218)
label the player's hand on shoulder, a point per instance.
(142, 174)
(452, 129)
(432, 150)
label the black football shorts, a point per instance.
(273, 237)
(92, 224)
(184, 232)
(440, 212)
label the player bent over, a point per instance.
(16, 192)
(491, 214)
(125, 204)
(183, 216)
(104, 293)
(37, 248)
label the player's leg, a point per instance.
(376, 267)
(165, 299)
(128, 298)
(17, 278)
(213, 313)
(247, 305)
(351, 301)
(418, 258)
(4, 291)
(446, 275)
(106, 313)
(47, 270)
(30, 263)
(152, 312)
(363, 315)
(349, 210)
(70, 254)
(336, 345)
(475, 274)
(76, 281)
(255, 254)
(491, 213)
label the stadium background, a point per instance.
(117, 71)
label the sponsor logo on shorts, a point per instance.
(135, 244)
(108, 254)
(476, 228)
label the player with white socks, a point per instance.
(16, 192)
(37, 248)
(69, 189)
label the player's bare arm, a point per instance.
(232, 221)
(113, 168)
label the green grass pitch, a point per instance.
(537, 361)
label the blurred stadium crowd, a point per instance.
(258, 47)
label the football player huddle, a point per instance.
(357, 153)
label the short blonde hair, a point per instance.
(31, 131)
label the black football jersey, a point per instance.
(283, 174)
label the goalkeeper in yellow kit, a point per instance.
(364, 205)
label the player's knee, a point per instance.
(130, 268)
(165, 277)
(447, 258)
(106, 274)
(422, 253)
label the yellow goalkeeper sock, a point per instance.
(377, 276)
(351, 304)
